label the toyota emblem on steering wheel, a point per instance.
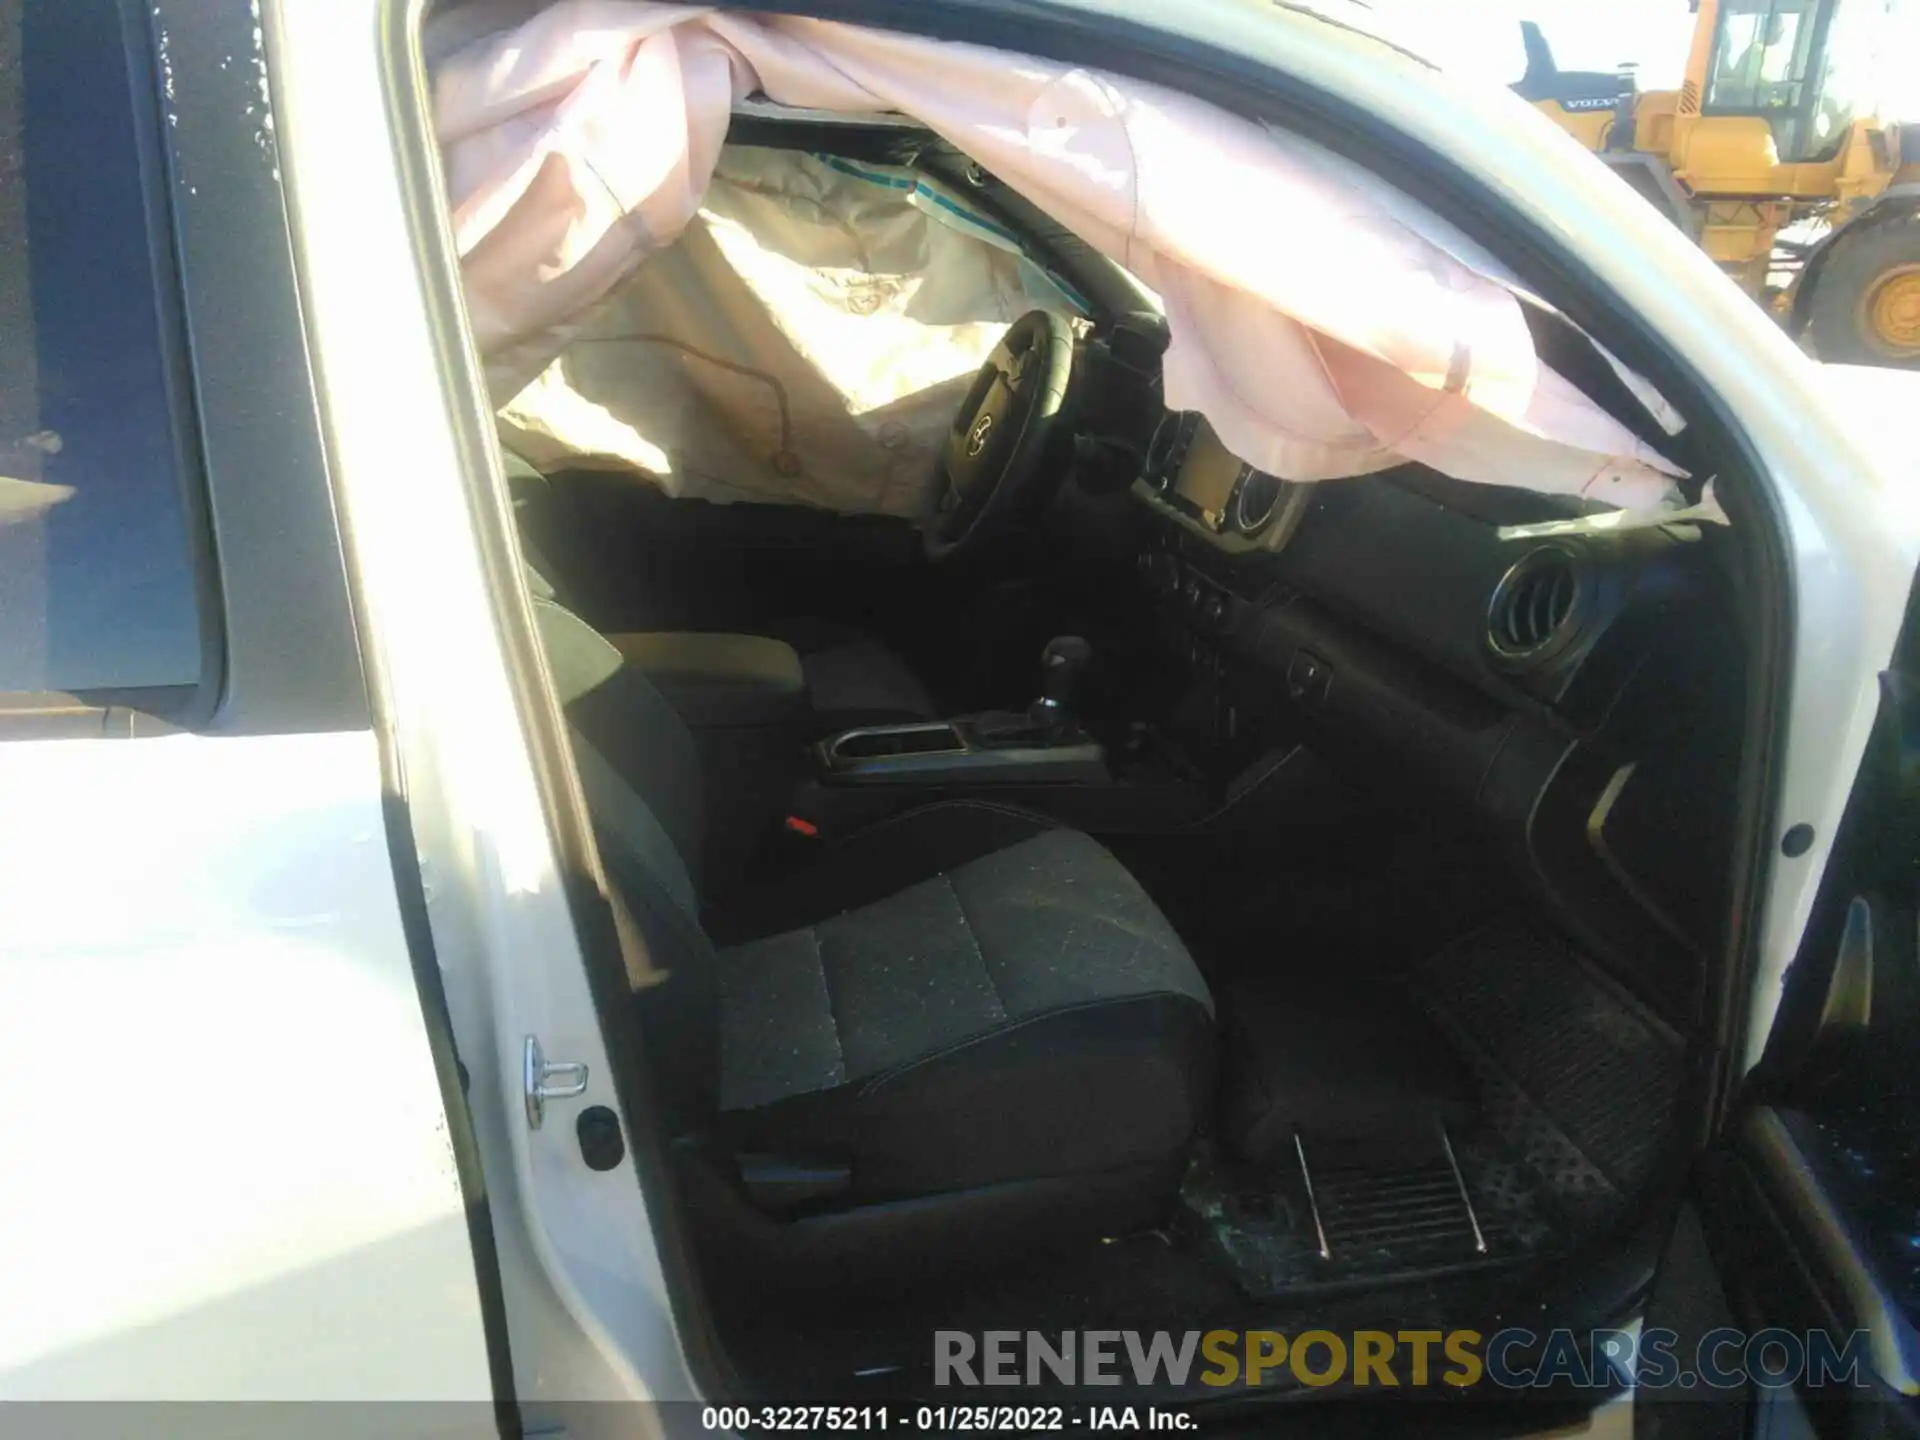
(977, 436)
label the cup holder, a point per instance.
(883, 742)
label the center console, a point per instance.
(1043, 745)
(980, 749)
(1104, 777)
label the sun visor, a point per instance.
(1320, 327)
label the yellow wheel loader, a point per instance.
(1769, 155)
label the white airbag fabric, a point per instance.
(808, 338)
(1321, 335)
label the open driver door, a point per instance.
(1803, 1218)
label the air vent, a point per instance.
(1535, 608)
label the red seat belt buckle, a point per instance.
(803, 827)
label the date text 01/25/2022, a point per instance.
(938, 1419)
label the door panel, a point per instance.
(230, 1158)
(1805, 1217)
(228, 1173)
(1774, 1241)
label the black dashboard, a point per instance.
(1195, 481)
(1578, 693)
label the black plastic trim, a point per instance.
(92, 713)
(179, 705)
(292, 658)
(1505, 626)
(1853, 1288)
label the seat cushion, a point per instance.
(1026, 1013)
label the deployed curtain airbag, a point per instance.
(1321, 333)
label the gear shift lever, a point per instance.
(1063, 669)
(1050, 720)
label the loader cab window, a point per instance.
(1794, 63)
(1760, 60)
(1856, 33)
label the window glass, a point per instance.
(97, 584)
(1849, 78)
(1761, 59)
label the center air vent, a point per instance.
(1535, 609)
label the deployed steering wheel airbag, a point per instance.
(1324, 324)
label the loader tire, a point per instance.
(1865, 308)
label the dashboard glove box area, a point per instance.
(1372, 705)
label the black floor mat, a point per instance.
(1577, 1084)
(1406, 1222)
(1581, 1078)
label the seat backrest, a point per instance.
(641, 778)
(633, 729)
(538, 525)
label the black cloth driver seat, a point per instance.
(958, 1035)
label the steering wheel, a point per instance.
(990, 465)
